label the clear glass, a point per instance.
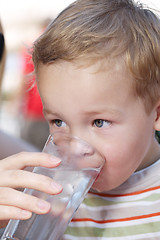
(80, 166)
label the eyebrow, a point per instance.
(89, 112)
(111, 111)
(48, 111)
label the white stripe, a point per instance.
(115, 224)
(154, 236)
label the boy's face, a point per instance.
(99, 107)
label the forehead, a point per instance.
(71, 84)
(83, 74)
(86, 66)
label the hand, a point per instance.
(15, 204)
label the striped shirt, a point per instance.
(129, 212)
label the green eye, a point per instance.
(58, 122)
(101, 123)
(98, 123)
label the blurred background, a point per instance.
(23, 22)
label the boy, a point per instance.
(98, 73)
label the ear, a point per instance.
(157, 117)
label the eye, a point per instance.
(99, 123)
(58, 123)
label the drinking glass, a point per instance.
(80, 165)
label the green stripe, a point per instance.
(95, 202)
(114, 232)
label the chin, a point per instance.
(99, 186)
(102, 185)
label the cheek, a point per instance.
(128, 153)
(122, 159)
(131, 143)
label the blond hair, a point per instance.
(107, 29)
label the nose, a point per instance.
(72, 145)
(80, 147)
(76, 151)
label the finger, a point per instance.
(24, 179)
(25, 159)
(19, 202)
(10, 212)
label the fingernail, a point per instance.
(55, 160)
(43, 205)
(56, 186)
